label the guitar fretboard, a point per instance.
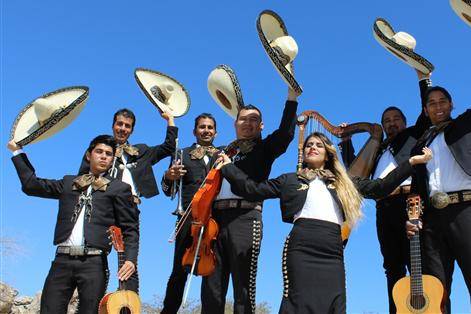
(416, 285)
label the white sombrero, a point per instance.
(280, 47)
(401, 45)
(225, 89)
(166, 93)
(463, 9)
(48, 114)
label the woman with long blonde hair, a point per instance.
(317, 200)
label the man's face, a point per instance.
(248, 125)
(100, 159)
(205, 132)
(393, 123)
(122, 129)
(438, 107)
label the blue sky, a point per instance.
(346, 75)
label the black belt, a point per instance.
(78, 250)
(236, 203)
(443, 199)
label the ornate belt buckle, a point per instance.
(77, 250)
(232, 204)
(440, 200)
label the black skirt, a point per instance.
(313, 269)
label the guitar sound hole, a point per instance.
(417, 301)
(125, 310)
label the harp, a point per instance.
(362, 164)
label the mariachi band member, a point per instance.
(445, 187)
(239, 220)
(317, 200)
(192, 168)
(88, 205)
(391, 213)
(133, 163)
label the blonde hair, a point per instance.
(349, 197)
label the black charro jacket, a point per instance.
(258, 162)
(142, 174)
(286, 187)
(458, 138)
(114, 206)
(196, 171)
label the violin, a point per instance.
(200, 257)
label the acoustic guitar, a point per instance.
(417, 293)
(122, 301)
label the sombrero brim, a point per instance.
(269, 27)
(463, 9)
(178, 104)
(224, 87)
(383, 32)
(26, 128)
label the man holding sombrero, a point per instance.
(391, 213)
(240, 221)
(88, 205)
(133, 163)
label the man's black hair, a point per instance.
(436, 89)
(107, 140)
(398, 110)
(204, 115)
(127, 113)
(249, 107)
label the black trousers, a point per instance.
(237, 249)
(313, 269)
(177, 280)
(446, 238)
(391, 217)
(89, 274)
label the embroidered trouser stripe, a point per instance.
(256, 240)
(284, 268)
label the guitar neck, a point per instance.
(121, 260)
(416, 285)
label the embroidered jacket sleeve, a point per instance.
(380, 188)
(250, 190)
(277, 143)
(127, 219)
(167, 148)
(31, 184)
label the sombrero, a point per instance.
(164, 92)
(225, 89)
(463, 9)
(48, 114)
(280, 47)
(401, 45)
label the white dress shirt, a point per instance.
(386, 164)
(320, 204)
(445, 174)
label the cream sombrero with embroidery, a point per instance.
(463, 9)
(48, 114)
(401, 45)
(164, 92)
(279, 46)
(225, 89)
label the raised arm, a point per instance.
(167, 148)
(277, 143)
(30, 184)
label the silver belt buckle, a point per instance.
(440, 200)
(77, 250)
(232, 203)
